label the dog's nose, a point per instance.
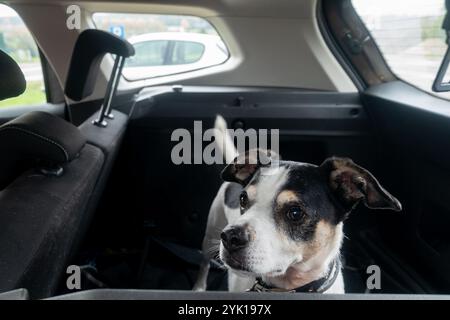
(235, 238)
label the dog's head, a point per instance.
(292, 212)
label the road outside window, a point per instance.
(165, 44)
(409, 35)
(16, 40)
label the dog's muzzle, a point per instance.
(235, 241)
(235, 238)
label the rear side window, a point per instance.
(409, 35)
(17, 41)
(165, 44)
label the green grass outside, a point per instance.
(34, 94)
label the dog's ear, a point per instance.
(351, 184)
(244, 166)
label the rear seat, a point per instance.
(43, 209)
(47, 175)
(52, 173)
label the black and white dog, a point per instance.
(282, 225)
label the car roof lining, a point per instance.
(302, 9)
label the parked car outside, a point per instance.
(165, 53)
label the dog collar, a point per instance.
(317, 286)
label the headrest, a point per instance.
(43, 136)
(12, 81)
(89, 50)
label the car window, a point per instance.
(149, 53)
(165, 44)
(17, 41)
(185, 52)
(409, 35)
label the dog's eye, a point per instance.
(243, 199)
(295, 213)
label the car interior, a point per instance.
(87, 178)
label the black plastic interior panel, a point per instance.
(293, 111)
(414, 132)
(412, 119)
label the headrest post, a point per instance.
(101, 122)
(116, 80)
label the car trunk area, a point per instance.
(149, 227)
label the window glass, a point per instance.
(150, 53)
(16, 41)
(409, 35)
(186, 52)
(165, 44)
